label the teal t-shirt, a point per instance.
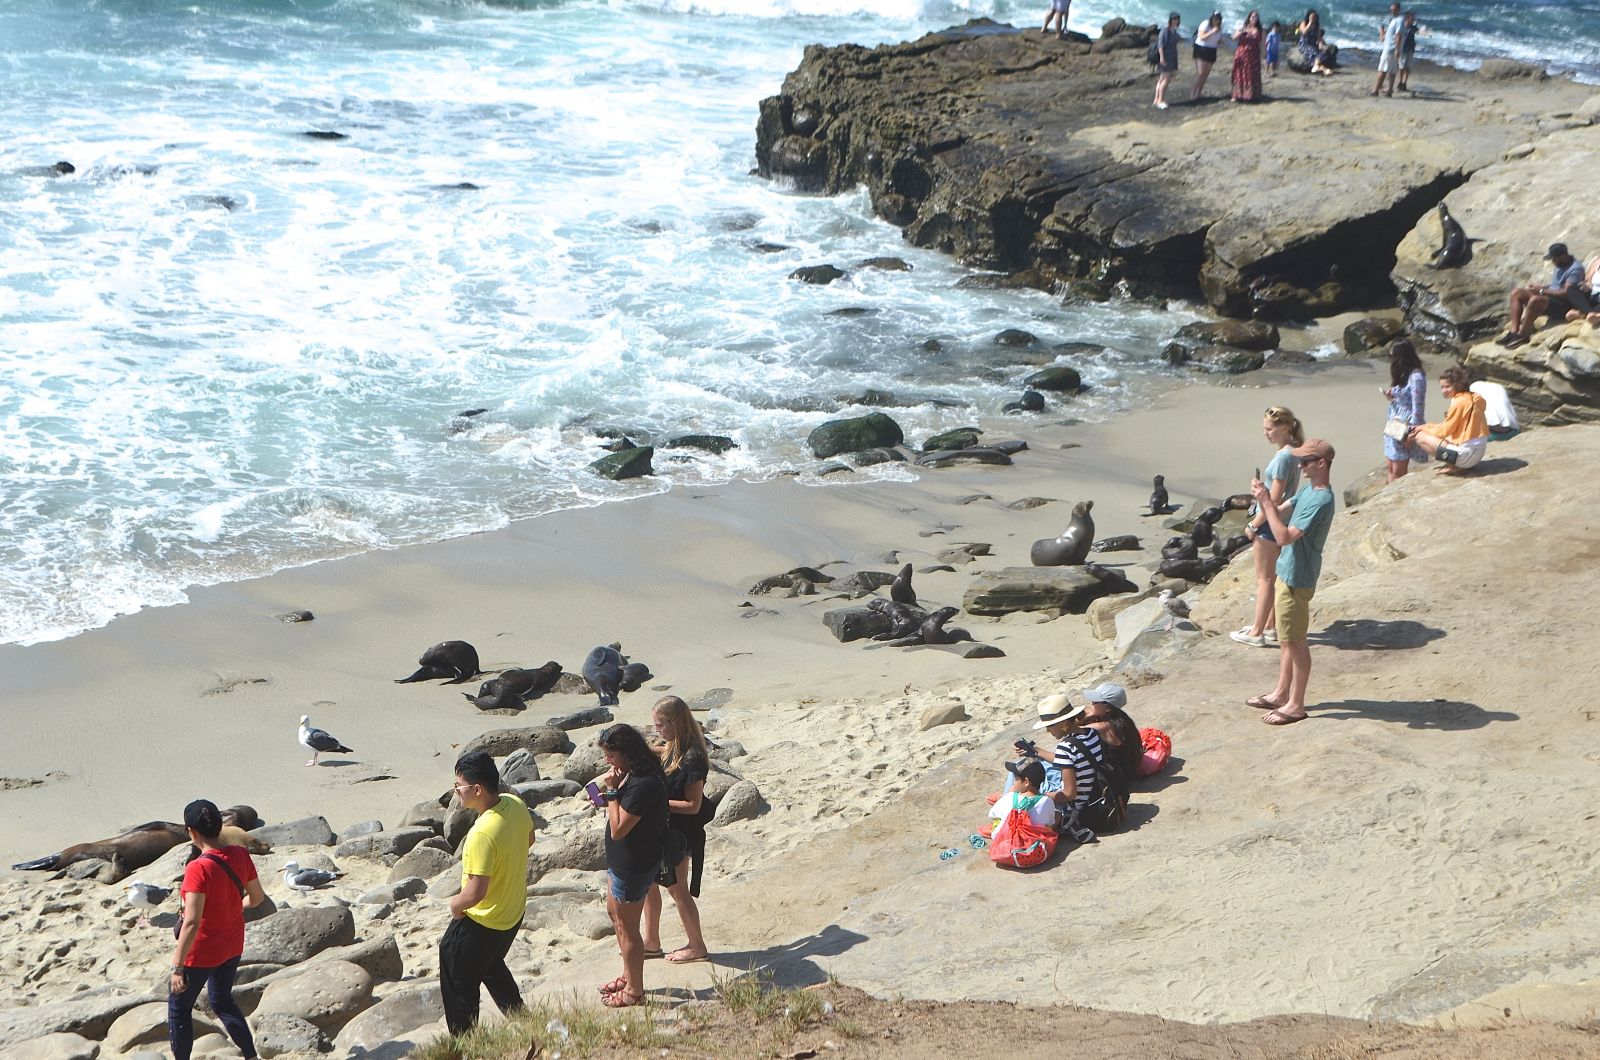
(1300, 565)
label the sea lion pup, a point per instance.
(903, 619)
(453, 659)
(1072, 547)
(243, 816)
(1158, 496)
(233, 836)
(900, 590)
(514, 686)
(634, 674)
(1457, 248)
(932, 631)
(133, 849)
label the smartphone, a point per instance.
(593, 791)
(1258, 474)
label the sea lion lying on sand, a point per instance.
(133, 849)
(453, 659)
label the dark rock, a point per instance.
(296, 616)
(817, 274)
(869, 457)
(835, 469)
(1225, 359)
(1285, 358)
(1371, 335)
(855, 623)
(716, 444)
(958, 438)
(324, 134)
(1243, 334)
(963, 554)
(540, 740)
(852, 311)
(630, 463)
(871, 431)
(870, 398)
(886, 264)
(581, 719)
(1058, 377)
(769, 248)
(1068, 590)
(947, 457)
(1016, 337)
(1029, 503)
(1031, 401)
(1009, 446)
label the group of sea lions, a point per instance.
(142, 844)
(606, 671)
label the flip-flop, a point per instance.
(622, 999)
(651, 955)
(1262, 703)
(1278, 717)
(1515, 341)
(674, 958)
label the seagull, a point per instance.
(1158, 496)
(146, 896)
(318, 741)
(304, 880)
(1174, 607)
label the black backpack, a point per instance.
(1107, 807)
(1152, 54)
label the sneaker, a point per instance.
(1271, 637)
(1161, 106)
(1244, 636)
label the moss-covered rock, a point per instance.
(872, 431)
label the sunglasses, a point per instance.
(1308, 461)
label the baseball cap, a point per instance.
(1315, 447)
(1029, 769)
(1557, 250)
(1108, 692)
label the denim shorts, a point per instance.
(631, 889)
(1264, 533)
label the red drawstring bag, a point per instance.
(1157, 749)
(1020, 843)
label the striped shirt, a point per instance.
(1070, 755)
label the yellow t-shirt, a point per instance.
(497, 847)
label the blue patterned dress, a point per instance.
(1406, 404)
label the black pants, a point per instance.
(218, 982)
(470, 954)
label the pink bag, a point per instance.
(1157, 749)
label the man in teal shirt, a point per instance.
(1299, 566)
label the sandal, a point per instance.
(1262, 703)
(683, 956)
(622, 999)
(1278, 717)
(619, 983)
(651, 955)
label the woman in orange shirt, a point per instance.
(1459, 442)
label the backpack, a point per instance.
(1107, 807)
(1157, 749)
(1019, 843)
(1152, 54)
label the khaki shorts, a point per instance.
(1294, 612)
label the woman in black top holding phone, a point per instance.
(635, 797)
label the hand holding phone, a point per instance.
(593, 791)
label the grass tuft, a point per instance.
(569, 1028)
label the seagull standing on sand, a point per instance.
(1174, 607)
(318, 741)
(146, 896)
(305, 880)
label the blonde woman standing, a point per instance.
(687, 763)
(1282, 478)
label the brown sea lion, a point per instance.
(243, 816)
(234, 836)
(133, 849)
(1072, 547)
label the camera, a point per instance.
(1027, 748)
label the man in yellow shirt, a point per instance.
(486, 914)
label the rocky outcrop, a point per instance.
(1554, 379)
(1064, 590)
(962, 139)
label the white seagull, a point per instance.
(146, 896)
(1174, 607)
(304, 880)
(318, 741)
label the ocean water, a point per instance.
(226, 347)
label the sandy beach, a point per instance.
(1430, 850)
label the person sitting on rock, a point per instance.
(1105, 714)
(1078, 750)
(1052, 721)
(1563, 295)
(1025, 796)
(1591, 288)
(1459, 442)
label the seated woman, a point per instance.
(1104, 714)
(1459, 442)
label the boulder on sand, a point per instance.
(293, 935)
(1065, 590)
(872, 431)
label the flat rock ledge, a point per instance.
(1043, 158)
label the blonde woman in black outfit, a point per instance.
(686, 762)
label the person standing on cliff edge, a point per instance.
(1299, 567)
(1166, 59)
(1389, 51)
(1058, 14)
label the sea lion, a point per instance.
(932, 631)
(634, 675)
(1031, 401)
(1203, 533)
(455, 659)
(1457, 248)
(1191, 570)
(234, 836)
(900, 590)
(1072, 547)
(1158, 496)
(515, 685)
(1179, 548)
(603, 671)
(133, 849)
(1120, 543)
(903, 619)
(243, 816)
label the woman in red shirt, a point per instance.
(218, 886)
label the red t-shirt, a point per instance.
(221, 936)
